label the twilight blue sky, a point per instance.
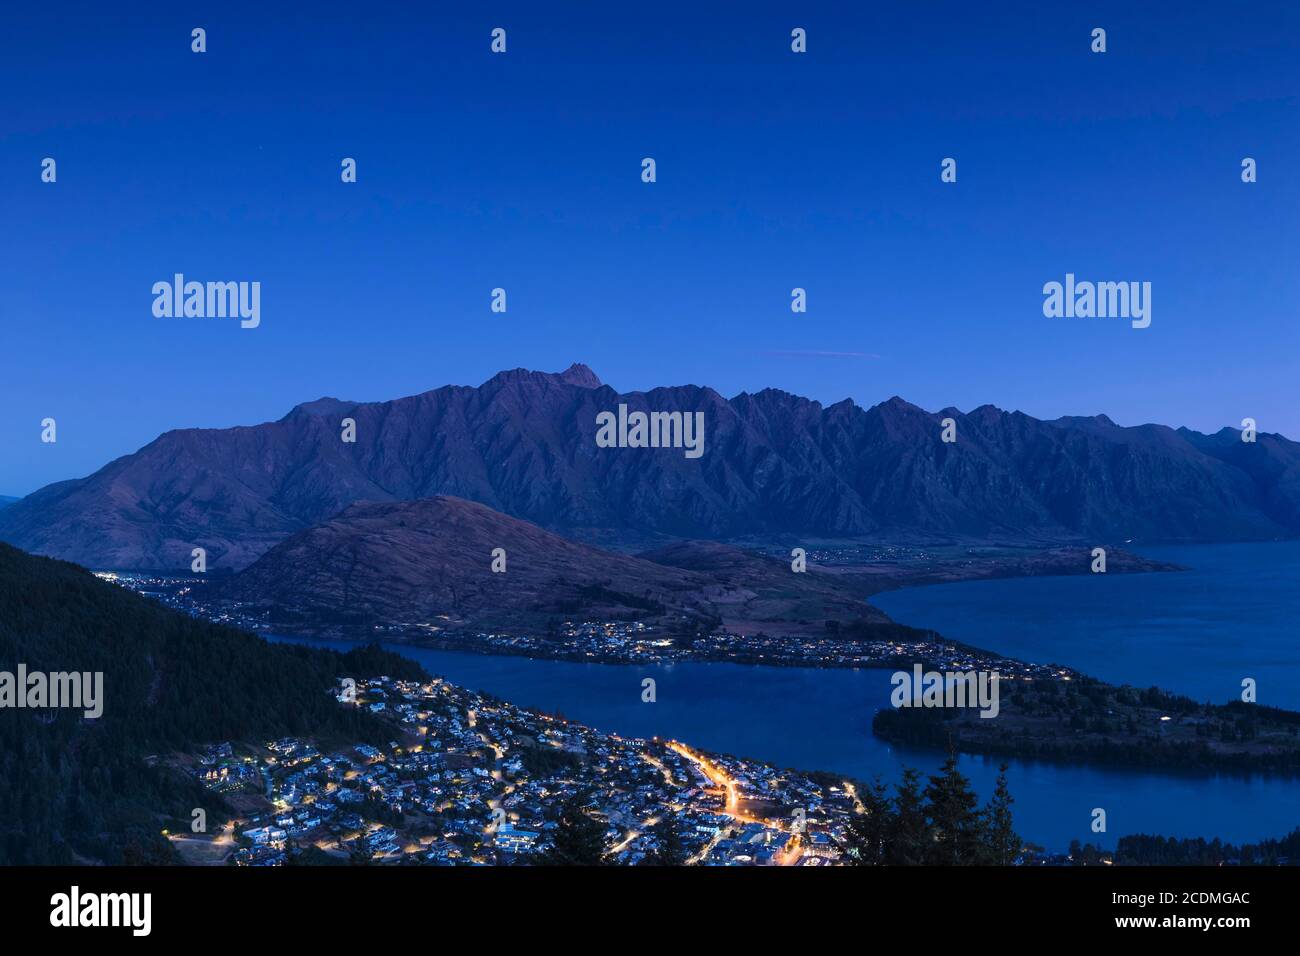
(775, 170)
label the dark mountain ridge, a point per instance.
(428, 563)
(523, 443)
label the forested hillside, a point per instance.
(74, 787)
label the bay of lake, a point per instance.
(1235, 613)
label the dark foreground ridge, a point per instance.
(85, 790)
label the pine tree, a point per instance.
(579, 840)
(1003, 843)
(956, 824)
(870, 834)
(670, 850)
(911, 835)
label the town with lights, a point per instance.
(471, 780)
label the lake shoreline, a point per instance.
(1120, 751)
(820, 718)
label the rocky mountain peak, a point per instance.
(576, 374)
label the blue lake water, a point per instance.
(1236, 613)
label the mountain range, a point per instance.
(774, 466)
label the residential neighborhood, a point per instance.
(470, 780)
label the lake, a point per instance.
(1234, 614)
(1192, 631)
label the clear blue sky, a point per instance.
(775, 170)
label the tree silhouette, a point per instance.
(670, 850)
(579, 839)
(870, 834)
(957, 827)
(1003, 843)
(911, 833)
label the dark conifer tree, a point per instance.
(579, 840)
(870, 834)
(670, 850)
(956, 826)
(1003, 843)
(911, 837)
